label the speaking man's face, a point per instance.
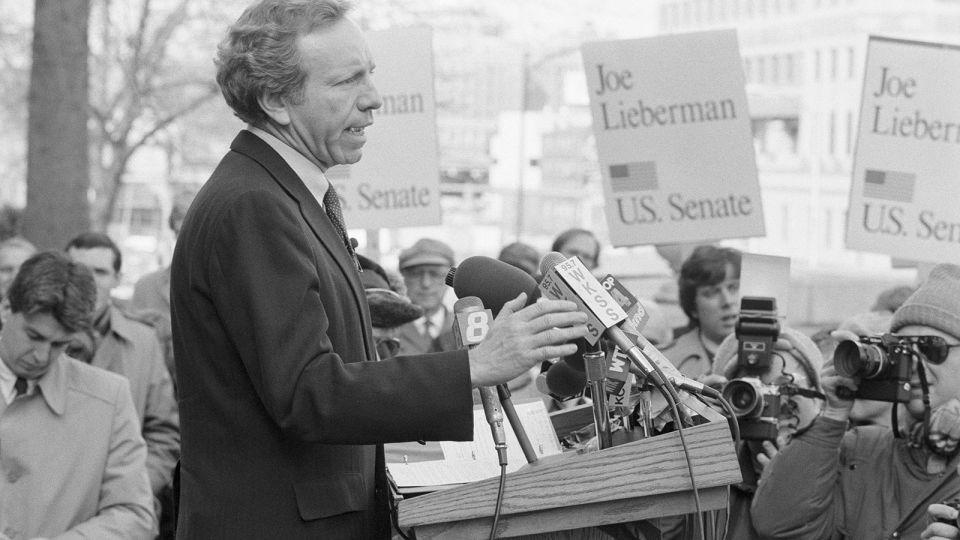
(327, 125)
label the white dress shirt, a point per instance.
(309, 173)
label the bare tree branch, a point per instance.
(170, 118)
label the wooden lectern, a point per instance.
(639, 480)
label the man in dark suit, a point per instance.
(284, 407)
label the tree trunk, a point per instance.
(58, 175)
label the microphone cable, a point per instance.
(735, 429)
(731, 415)
(496, 510)
(674, 399)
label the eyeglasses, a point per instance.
(387, 347)
(935, 349)
(435, 273)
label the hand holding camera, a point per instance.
(839, 392)
(944, 516)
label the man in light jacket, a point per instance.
(72, 460)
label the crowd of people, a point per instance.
(256, 387)
(833, 467)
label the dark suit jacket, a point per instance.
(282, 403)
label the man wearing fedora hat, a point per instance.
(424, 265)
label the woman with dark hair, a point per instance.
(709, 287)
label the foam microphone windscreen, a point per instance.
(563, 381)
(493, 282)
(550, 261)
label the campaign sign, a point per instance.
(906, 173)
(673, 138)
(397, 182)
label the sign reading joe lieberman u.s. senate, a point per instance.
(906, 176)
(673, 138)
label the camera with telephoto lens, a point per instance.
(884, 365)
(756, 405)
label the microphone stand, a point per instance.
(595, 369)
(508, 409)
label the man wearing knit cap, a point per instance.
(424, 265)
(795, 361)
(831, 482)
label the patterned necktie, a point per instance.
(331, 205)
(19, 387)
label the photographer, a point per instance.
(866, 483)
(794, 365)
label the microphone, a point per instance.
(562, 381)
(493, 282)
(471, 324)
(637, 316)
(625, 333)
(569, 279)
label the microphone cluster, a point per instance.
(613, 312)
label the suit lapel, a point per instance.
(254, 147)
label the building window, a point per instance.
(851, 63)
(761, 70)
(735, 9)
(687, 12)
(775, 69)
(788, 69)
(828, 236)
(748, 70)
(749, 8)
(816, 65)
(785, 222)
(833, 64)
(849, 132)
(833, 133)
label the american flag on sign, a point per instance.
(633, 176)
(889, 185)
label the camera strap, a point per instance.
(922, 373)
(796, 390)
